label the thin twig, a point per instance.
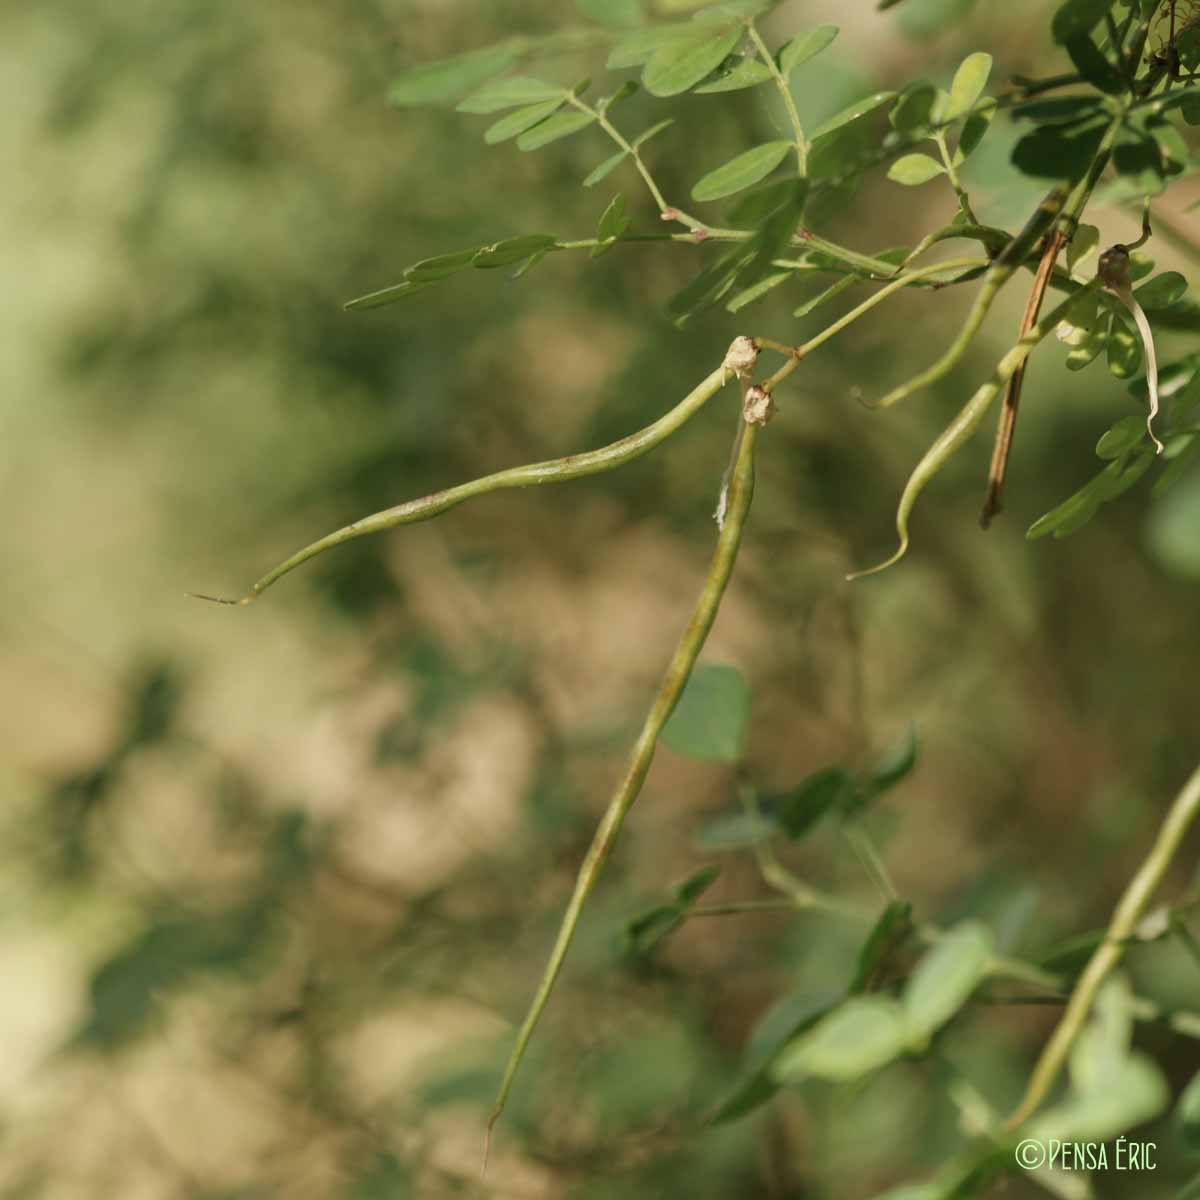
(1178, 237)
(785, 92)
(1001, 270)
(668, 211)
(800, 895)
(964, 201)
(910, 278)
(1123, 925)
(860, 842)
(1012, 393)
(740, 907)
(1062, 233)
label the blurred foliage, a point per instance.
(278, 882)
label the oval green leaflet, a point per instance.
(1085, 243)
(612, 225)
(1077, 17)
(915, 169)
(520, 120)
(860, 1035)
(1122, 437)
(712, 715)
(803, 47)
(442, 266)
(606, 168)
(512, 250)
(446, 80)
(560, 125)
(638, 47)
(610, 164)
(1162, 291)
(853, 112)
(747, 73)
(914, 108)
(741, 172)
(683, 64)
(510, 92)
(974, 128)
(946, 976)
(1187, 1113)
(969, 81)
(387, 295)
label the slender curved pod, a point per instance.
(741, 491)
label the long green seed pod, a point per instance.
(741, 490)
(956, 434)
(556, 470)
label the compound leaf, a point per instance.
(449, 78)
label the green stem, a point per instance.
(808, 899)
(773, 872)
(860, 842)
(1178, 237)
(796, 353)
(613, 132)
(964, 201)
(1123, 925)
(786, 93)
(555, 470)
(592, 242)
(1138, 47)
(863, 262)
(993, 239)
(1035, 87)
(1023, 972)
(676, 676)
(1007, 262)
(1157, 104)
(738, 907)
(860, 263)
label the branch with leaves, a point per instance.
(1114, 135)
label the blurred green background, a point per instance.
(277, 882)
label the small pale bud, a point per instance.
(741, 356)
(1154, 924)
(757, 406)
